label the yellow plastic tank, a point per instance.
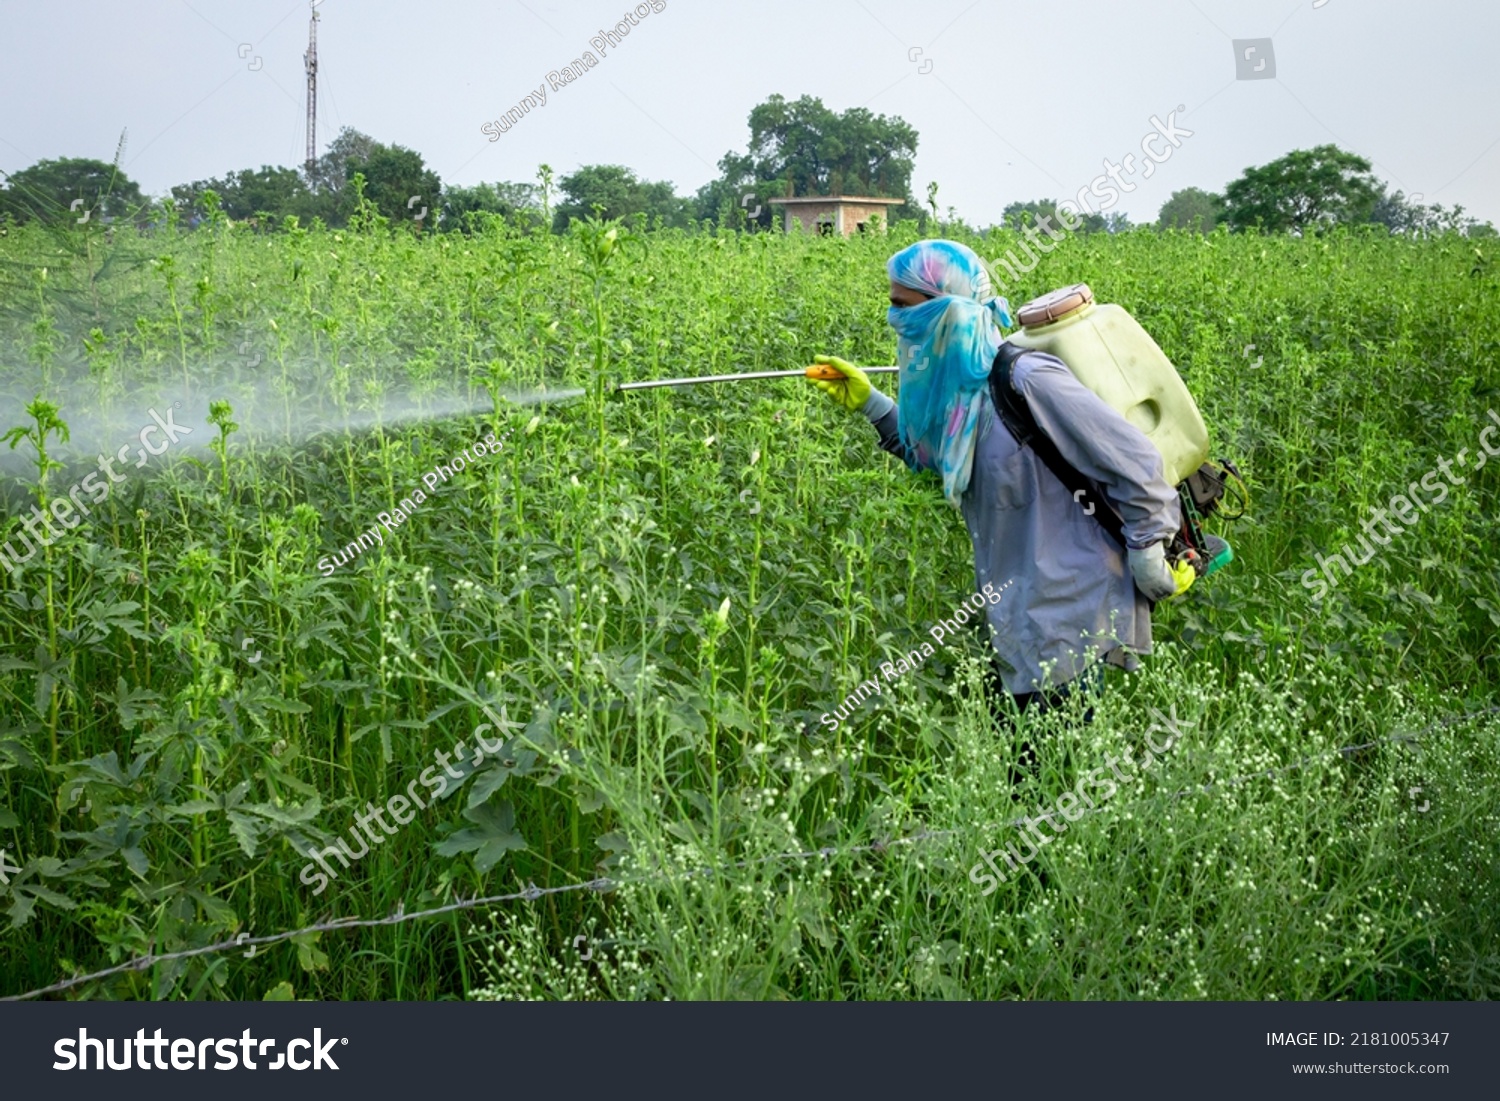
(1109, 352)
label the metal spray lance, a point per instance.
(819, 371)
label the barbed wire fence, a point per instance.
(603, 884)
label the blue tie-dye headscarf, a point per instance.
(946, 348)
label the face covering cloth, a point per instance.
(946, 347)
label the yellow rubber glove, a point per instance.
(1155, 577)
(1184, 574)
(852, 391)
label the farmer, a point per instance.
(1071, 597)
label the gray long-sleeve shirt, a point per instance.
(1073, 596)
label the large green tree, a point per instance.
(621, 194)
(330, 172)
(1303, 190)
(1019, 216)
(49, 190)
(323, 191)
(802, 148)
(513, 201)
(250, 192)
(331, 197)
(1191, 208)
(1406, 216)
(398, 183)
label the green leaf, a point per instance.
(62, 902)
(685, 716)
(287, 815)
(511, 762)
(492, 836)
(682, 831)
(107, 617)
(218, 911)
(281, 992)
(246, 831)
(812, 906)
(15, 748)
(192, 806)
(613, 842)
(135, 860)
(539, 729)
(290, 707)
(490, 781)
(21, 910)
(134, 704)
(731, 713)
(309, 956)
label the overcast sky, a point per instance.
(1019, 101)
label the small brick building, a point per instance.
(843, 214)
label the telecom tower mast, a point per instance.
(310, 63)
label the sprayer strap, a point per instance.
(1016, 415)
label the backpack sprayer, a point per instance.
(1110, 353)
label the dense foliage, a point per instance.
(1305, 189)
(74, 189)
(669, 588)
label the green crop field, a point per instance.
(659, 594)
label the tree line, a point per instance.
(796, 148)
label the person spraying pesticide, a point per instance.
(1073, 594)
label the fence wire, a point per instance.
(603, 884)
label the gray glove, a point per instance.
(1149, 568)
